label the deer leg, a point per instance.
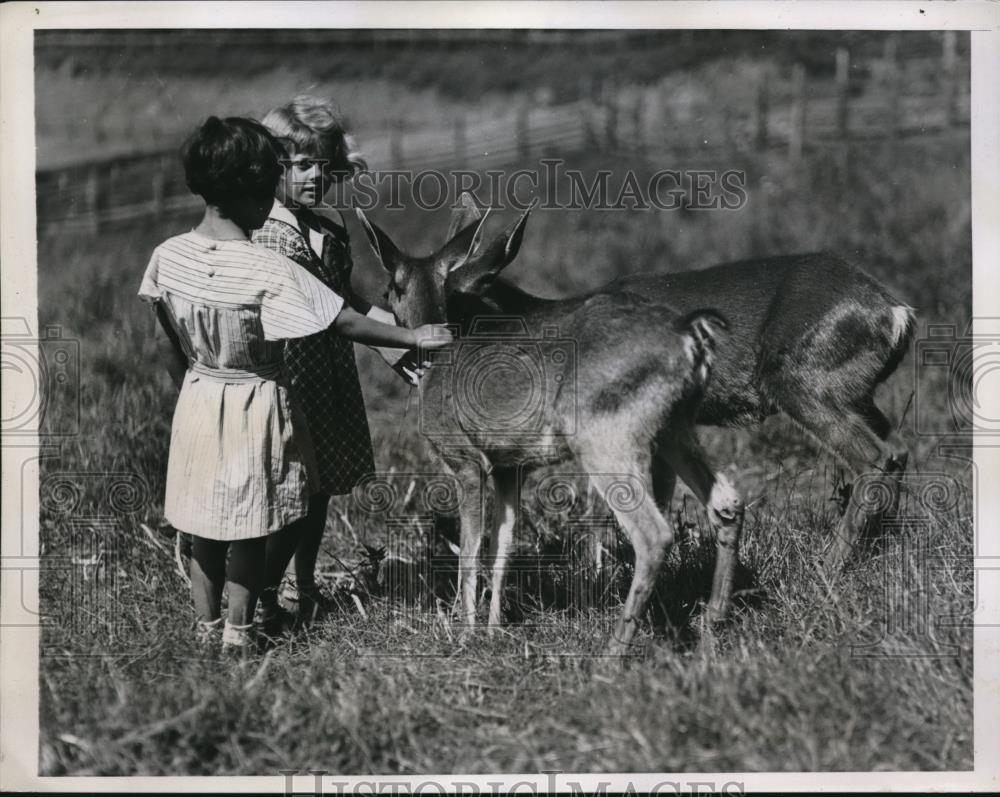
(664, 483)
(469, 474)
(895, 454)
(724, 506)
(650, 535)
(866, 507)
(863, 438)
(506, 482)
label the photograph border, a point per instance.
(19, 651)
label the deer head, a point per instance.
(421, 289)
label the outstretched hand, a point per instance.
(410, 368)
(432, 336)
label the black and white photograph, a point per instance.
(504, 397)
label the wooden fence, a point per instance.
(631, 120)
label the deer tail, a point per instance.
(902, 326)
(701, 329)
(904, 322)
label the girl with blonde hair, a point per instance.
(322, 368)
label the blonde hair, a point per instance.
(311, 125)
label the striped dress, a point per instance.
(241, 462)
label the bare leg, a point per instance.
(310, 539)
(244, 577)
(208, 576)
(278, 550)
(507, 482)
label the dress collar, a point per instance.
(280, 213)
(315, 237)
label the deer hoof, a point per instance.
(621, 648)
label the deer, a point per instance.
(626, 414)
(811, 336)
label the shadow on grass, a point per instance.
(581, 580)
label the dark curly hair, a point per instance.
(225, 159)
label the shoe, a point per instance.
(239, 641)
(288, 598)
(314, 606)
(274, 625)
(208, 633)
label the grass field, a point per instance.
(786, 685)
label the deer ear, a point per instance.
(462, 216)
(515, 235)
(482, 266)
(477, 239)
(385, 250)
(461, 246)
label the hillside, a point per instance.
(108, 93)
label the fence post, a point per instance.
(585, 106)
(584, 90)
(728, 122)
(157, 199)
(949, 51)
(841, 145)
(522, 131)
(843, 81)
(91, 200)
(638, 116)
(890, 58)
(949, 68)
(460, 141)
(610, 100)
(664, 105)
(396, 145)
(890, 51)
(159, 183)
(55, 206)
(797, 121)
(759, 221)
(761, 113)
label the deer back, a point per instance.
(812, 314)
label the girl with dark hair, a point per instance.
(241, 467)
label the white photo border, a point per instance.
(19, 647)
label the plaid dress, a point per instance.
(321, 367)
